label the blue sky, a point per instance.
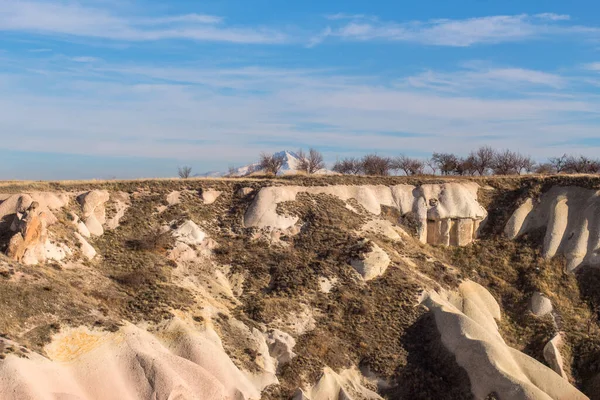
(107, 88)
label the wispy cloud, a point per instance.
(52, 18)
(458, 32)
(483, 78)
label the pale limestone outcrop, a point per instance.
(552, 354)
(447, 213)
(371, 264)
(178, 361)
(571, 216)
(87, 249)
(281, 346)
(189, 233)
(94, 212)
(209, 196)
(174, 198)
(347, 385)
(121, 203)
(467, 323)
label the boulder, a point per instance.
(243, 192)
(540, 305)
(371, 264)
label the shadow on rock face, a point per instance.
(431, 371)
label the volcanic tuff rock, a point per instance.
(285, 288)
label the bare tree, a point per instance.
(350, 165)
(372, 164)
(184, 172)
(511, 163)
(447, 163)
(559, 163)
(231, 171)
(466, 166)
(482, 159)
(312, 162)
(270, 164)
(432, 164)
(581, 165)
(410, 166)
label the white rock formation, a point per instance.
(448, 213)
(540, 305)
(189, 233)
(281, 346)
(87, 249)
(326, 284)
(94, 212)
(371, 264)
(571, 216)
(552, 355)
(209, 196)
(177, 362)
(347, 385)
(121, 203)
(467, 323)
(173, 198)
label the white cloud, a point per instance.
(593, 66)
(481, 78)
(76, 20)
(460, 32)
(188, 115)
(85, 59)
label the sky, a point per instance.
(135, 88)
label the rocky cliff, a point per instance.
(304, 288)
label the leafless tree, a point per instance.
(352, 166)
(410, 166)
(466, 166)
(270, 164)
(184, 172)
(509, 162)
(482, 159)
(432, 164)
(447, 163)
(312, 162)
(559, 163)
(372, 164)
(581, 165)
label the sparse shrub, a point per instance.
(372, 164)
(545, 169)
(184, 172)
(156, 241)
(311, 162)
(351, 166)
(270, 163)
(581, 165)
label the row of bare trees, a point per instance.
(483, 161)
(309, 163)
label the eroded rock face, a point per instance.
(94, 212)
(31, 231)
(209, 196)
(347, 385)
(571, 216)
(447, 214)
(467, 323)
(178, 361)
(552, 355)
